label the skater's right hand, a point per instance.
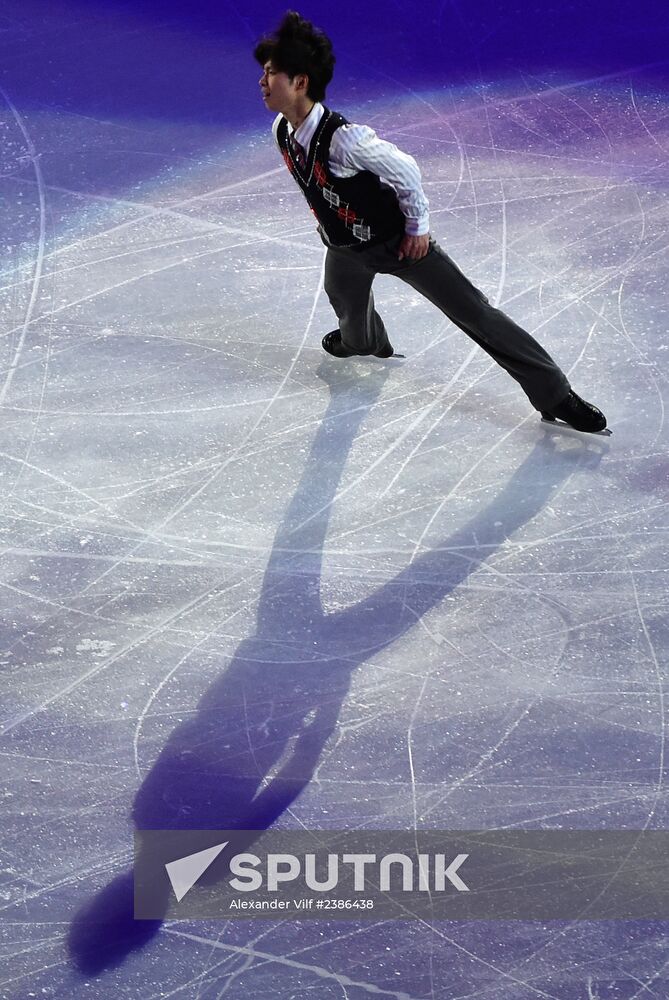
(414, 247)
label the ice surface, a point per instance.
(244, 583)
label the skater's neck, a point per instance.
(298, 114)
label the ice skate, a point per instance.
(332, 344)
(577, 414)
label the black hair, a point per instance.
(298, 47)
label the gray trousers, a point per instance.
(349, 274)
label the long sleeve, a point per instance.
(357, 147)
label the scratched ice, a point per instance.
(245, 584)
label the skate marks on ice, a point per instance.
(145, 312)
(260, 730)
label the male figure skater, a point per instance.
(373, 218)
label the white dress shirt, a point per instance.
(357, 147)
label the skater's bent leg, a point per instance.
(439, 279)
(348, 285)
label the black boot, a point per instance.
(332, 344)
(577, 413)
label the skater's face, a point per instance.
(280, 93)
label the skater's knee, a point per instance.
(336, 300)
(477, 314)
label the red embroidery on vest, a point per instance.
(319, 174)
(347, 214)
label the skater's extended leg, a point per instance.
(348, 285)
(439, 279)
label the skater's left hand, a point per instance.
(414, 247)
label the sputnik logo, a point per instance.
(184, 872)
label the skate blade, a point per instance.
(387, 357)
(562, 426)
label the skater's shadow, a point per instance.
(260, 729)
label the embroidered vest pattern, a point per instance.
(352, 211)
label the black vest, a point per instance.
(353, 211)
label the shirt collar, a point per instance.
(305, 133)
